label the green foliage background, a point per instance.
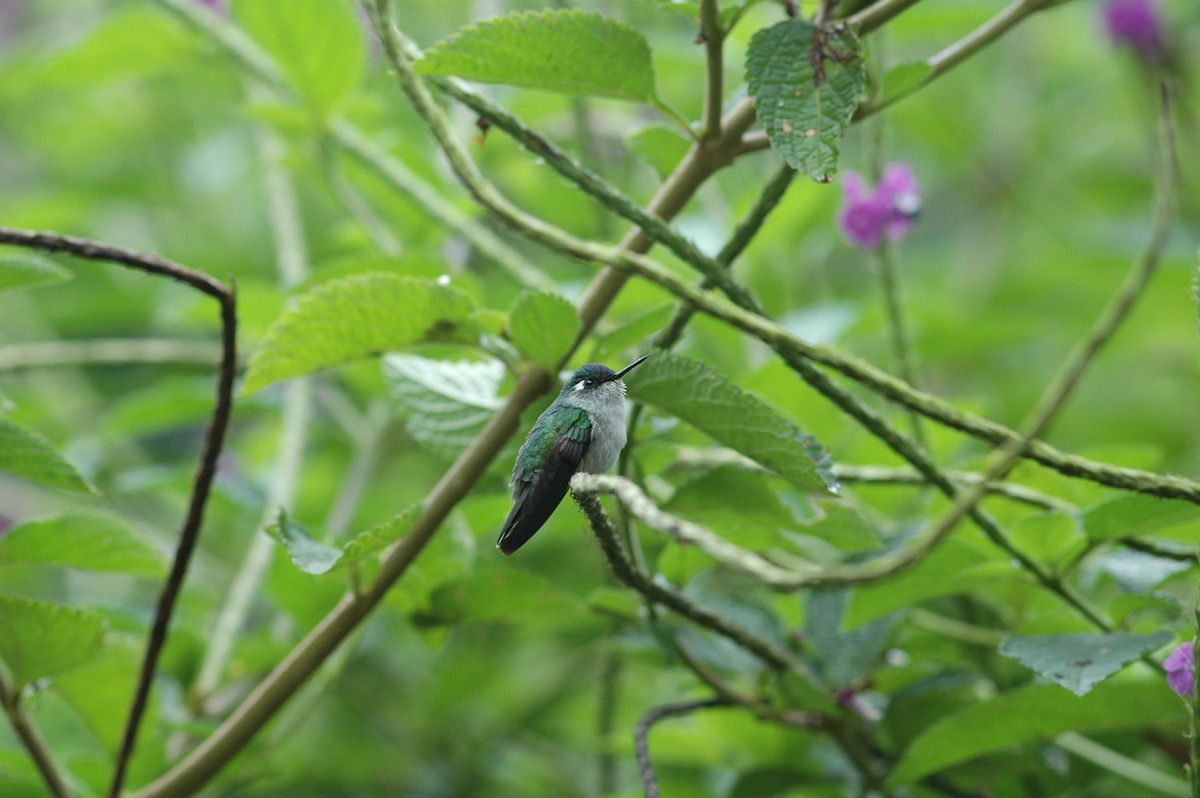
(489, 676)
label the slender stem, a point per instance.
(641, 733)
(961, 50)
(876, 475)
(31, 738)
(877, 14)
(606, 722)
(898, 329)
(104, 351)
(713, 38)
(292, 267)
(1118, 764)
(766, 650)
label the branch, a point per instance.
(106, 351)
(774, 656)
(642, 731)
(210, 450)
(875, 15)
(10, 700)
(713, 38)
(878, 475)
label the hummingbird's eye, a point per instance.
(587, 383)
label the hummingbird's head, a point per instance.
(595, 379)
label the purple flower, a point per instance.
(867, 219)
(218, 6)
(1181, 670)
(1135, 23)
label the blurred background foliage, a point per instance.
(485, 676)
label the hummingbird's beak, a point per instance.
(629, 368)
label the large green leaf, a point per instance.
(367, 314)
(568, 51)
(1032, 713)
(806, 82)
(314, 557)
(1081, 661)
(700, 396)
(100, 690)
(319, 45)
(27, 454)
(1134, 515)
(87, 540)
(23, 271)
(39, 639)
(444, 403)
(543, 327)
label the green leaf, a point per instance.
(848, 656)
(700, 396)
(953, 567)
(567, 51)
(634, 332)
(319, 45)
(543, 327)
(660, 146)
(903, 78)
(313, 557)
(1049, 538)
(1135, 515)
(1081, 661)
(355, 317)
(27, 454)
(24, 271)
(100, 690)
(1139, 572)
(444, 403)
(803, 107)
(1030, 714)
(87, 540)
(39, 639)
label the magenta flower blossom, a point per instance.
(218, 6)
(869, 218)
(1181, 670)
(1135, 23)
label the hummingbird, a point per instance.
(583, 429)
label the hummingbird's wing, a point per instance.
(545, 465)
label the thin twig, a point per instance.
(766, 650)
(31, 738)
(876, 14)
(879, 475)
(107, 351)
(642, 731)
(214, 439)
(292, 268)
(713, 38)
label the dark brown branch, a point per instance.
(214, 438)
(642, 731)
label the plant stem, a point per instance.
(641, 734)
(897, 322)
(31, 738)
(1129, 769)
(292, 267)
(713, 38)
(105, 351)
(877, 14)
